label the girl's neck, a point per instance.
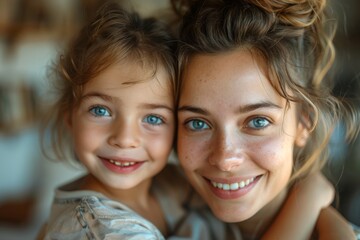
(136, 197)
(140, 199)
(254, 227)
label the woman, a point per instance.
(255, 110)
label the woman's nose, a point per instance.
(228, 152)
(124, 134)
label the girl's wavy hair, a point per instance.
(114, 35)
(294, 37)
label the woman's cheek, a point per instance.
(185, 152)
(189, 150)
(273, 153)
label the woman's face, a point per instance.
(236, 134)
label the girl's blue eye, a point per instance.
(153, 120)
(258, 123)
(99, 111)
(197, 125)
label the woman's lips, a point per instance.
(226, 189)
(233, 186)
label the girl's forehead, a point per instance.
(131, 71)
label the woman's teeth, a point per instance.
(232, 186)
(122, 164)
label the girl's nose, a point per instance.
(124, 134)
(228, 152)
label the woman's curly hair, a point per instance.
(294, 37)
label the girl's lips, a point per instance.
(122, 163)
(122, 166)
(231, 190)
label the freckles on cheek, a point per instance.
(187, 154)
(273, 154)
(194, 154)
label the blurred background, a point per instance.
(32, 32)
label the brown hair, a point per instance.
(296, 44)
(112, 36)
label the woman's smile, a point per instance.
(231, 189)
(235, 145)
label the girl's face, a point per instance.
(236, 135)
(123, 128)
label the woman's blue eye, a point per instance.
(99, 111)
(197, 125)
(153, 120)
(258, 123)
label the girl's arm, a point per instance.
(302, 208)
(331, 225)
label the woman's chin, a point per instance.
(229, 215)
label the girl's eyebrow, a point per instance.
(112, 99)
(98, 95)
(241, 109)
(157, 106)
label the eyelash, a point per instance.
(187, 125)
(93, 109)
(252, 119)
(156, 116)
(206, 126)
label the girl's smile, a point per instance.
(123, 127)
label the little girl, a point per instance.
(117, 104)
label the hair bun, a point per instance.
(297, 13)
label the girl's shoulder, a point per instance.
(94, 215)
(356, 231)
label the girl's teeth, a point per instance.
(232, 186)
(122, 164)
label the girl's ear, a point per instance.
(302, 132)
(67, 120)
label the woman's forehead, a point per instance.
(235, 66)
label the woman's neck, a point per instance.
(254, 227)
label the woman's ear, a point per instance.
(303, 131)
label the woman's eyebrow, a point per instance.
(253, 106)
(242, 109)
(189, 108)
